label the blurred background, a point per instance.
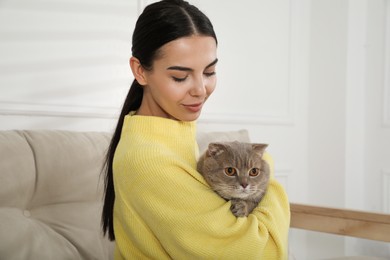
(309, 77)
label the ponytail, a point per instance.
(132, 103)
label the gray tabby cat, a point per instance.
(237, 172)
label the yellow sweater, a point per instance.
(164, 209)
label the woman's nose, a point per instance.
(199, 88)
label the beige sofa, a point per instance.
(51, 193)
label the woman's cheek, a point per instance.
(211, 86)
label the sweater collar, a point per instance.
(159, 126)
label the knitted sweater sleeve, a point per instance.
(167, 211)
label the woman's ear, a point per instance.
(138, 71)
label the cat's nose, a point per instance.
(244, 185)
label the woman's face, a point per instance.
(181, 79)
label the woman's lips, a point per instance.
(194, 107)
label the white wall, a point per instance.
(348, 135)
(306, 76)
(370, 163)
(326, 120)
(64, 63)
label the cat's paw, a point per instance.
(239, 208)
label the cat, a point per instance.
(237, 172)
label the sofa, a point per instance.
(51, 190)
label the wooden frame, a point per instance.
(344, 222)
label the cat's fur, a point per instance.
(236, 159)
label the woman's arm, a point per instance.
(189, 220)
(273, 214)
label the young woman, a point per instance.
(157, 206)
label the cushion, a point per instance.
(51, 195)
(204, 138)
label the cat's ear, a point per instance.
(215, 149)
(259, 148)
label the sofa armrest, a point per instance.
(361, 224)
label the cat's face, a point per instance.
(236, 170)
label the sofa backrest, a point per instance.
(51, 195)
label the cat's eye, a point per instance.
(254, 172)
(230, 171)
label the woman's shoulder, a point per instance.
(268, 158)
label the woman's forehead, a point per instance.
(197, 50)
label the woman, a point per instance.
(157, 206)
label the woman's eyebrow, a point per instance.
(181, 68)
(212, 63)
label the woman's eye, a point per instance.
(209, 74)
(179, 79)
(254, 172)
(230, 171)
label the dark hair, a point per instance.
(158, 24)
